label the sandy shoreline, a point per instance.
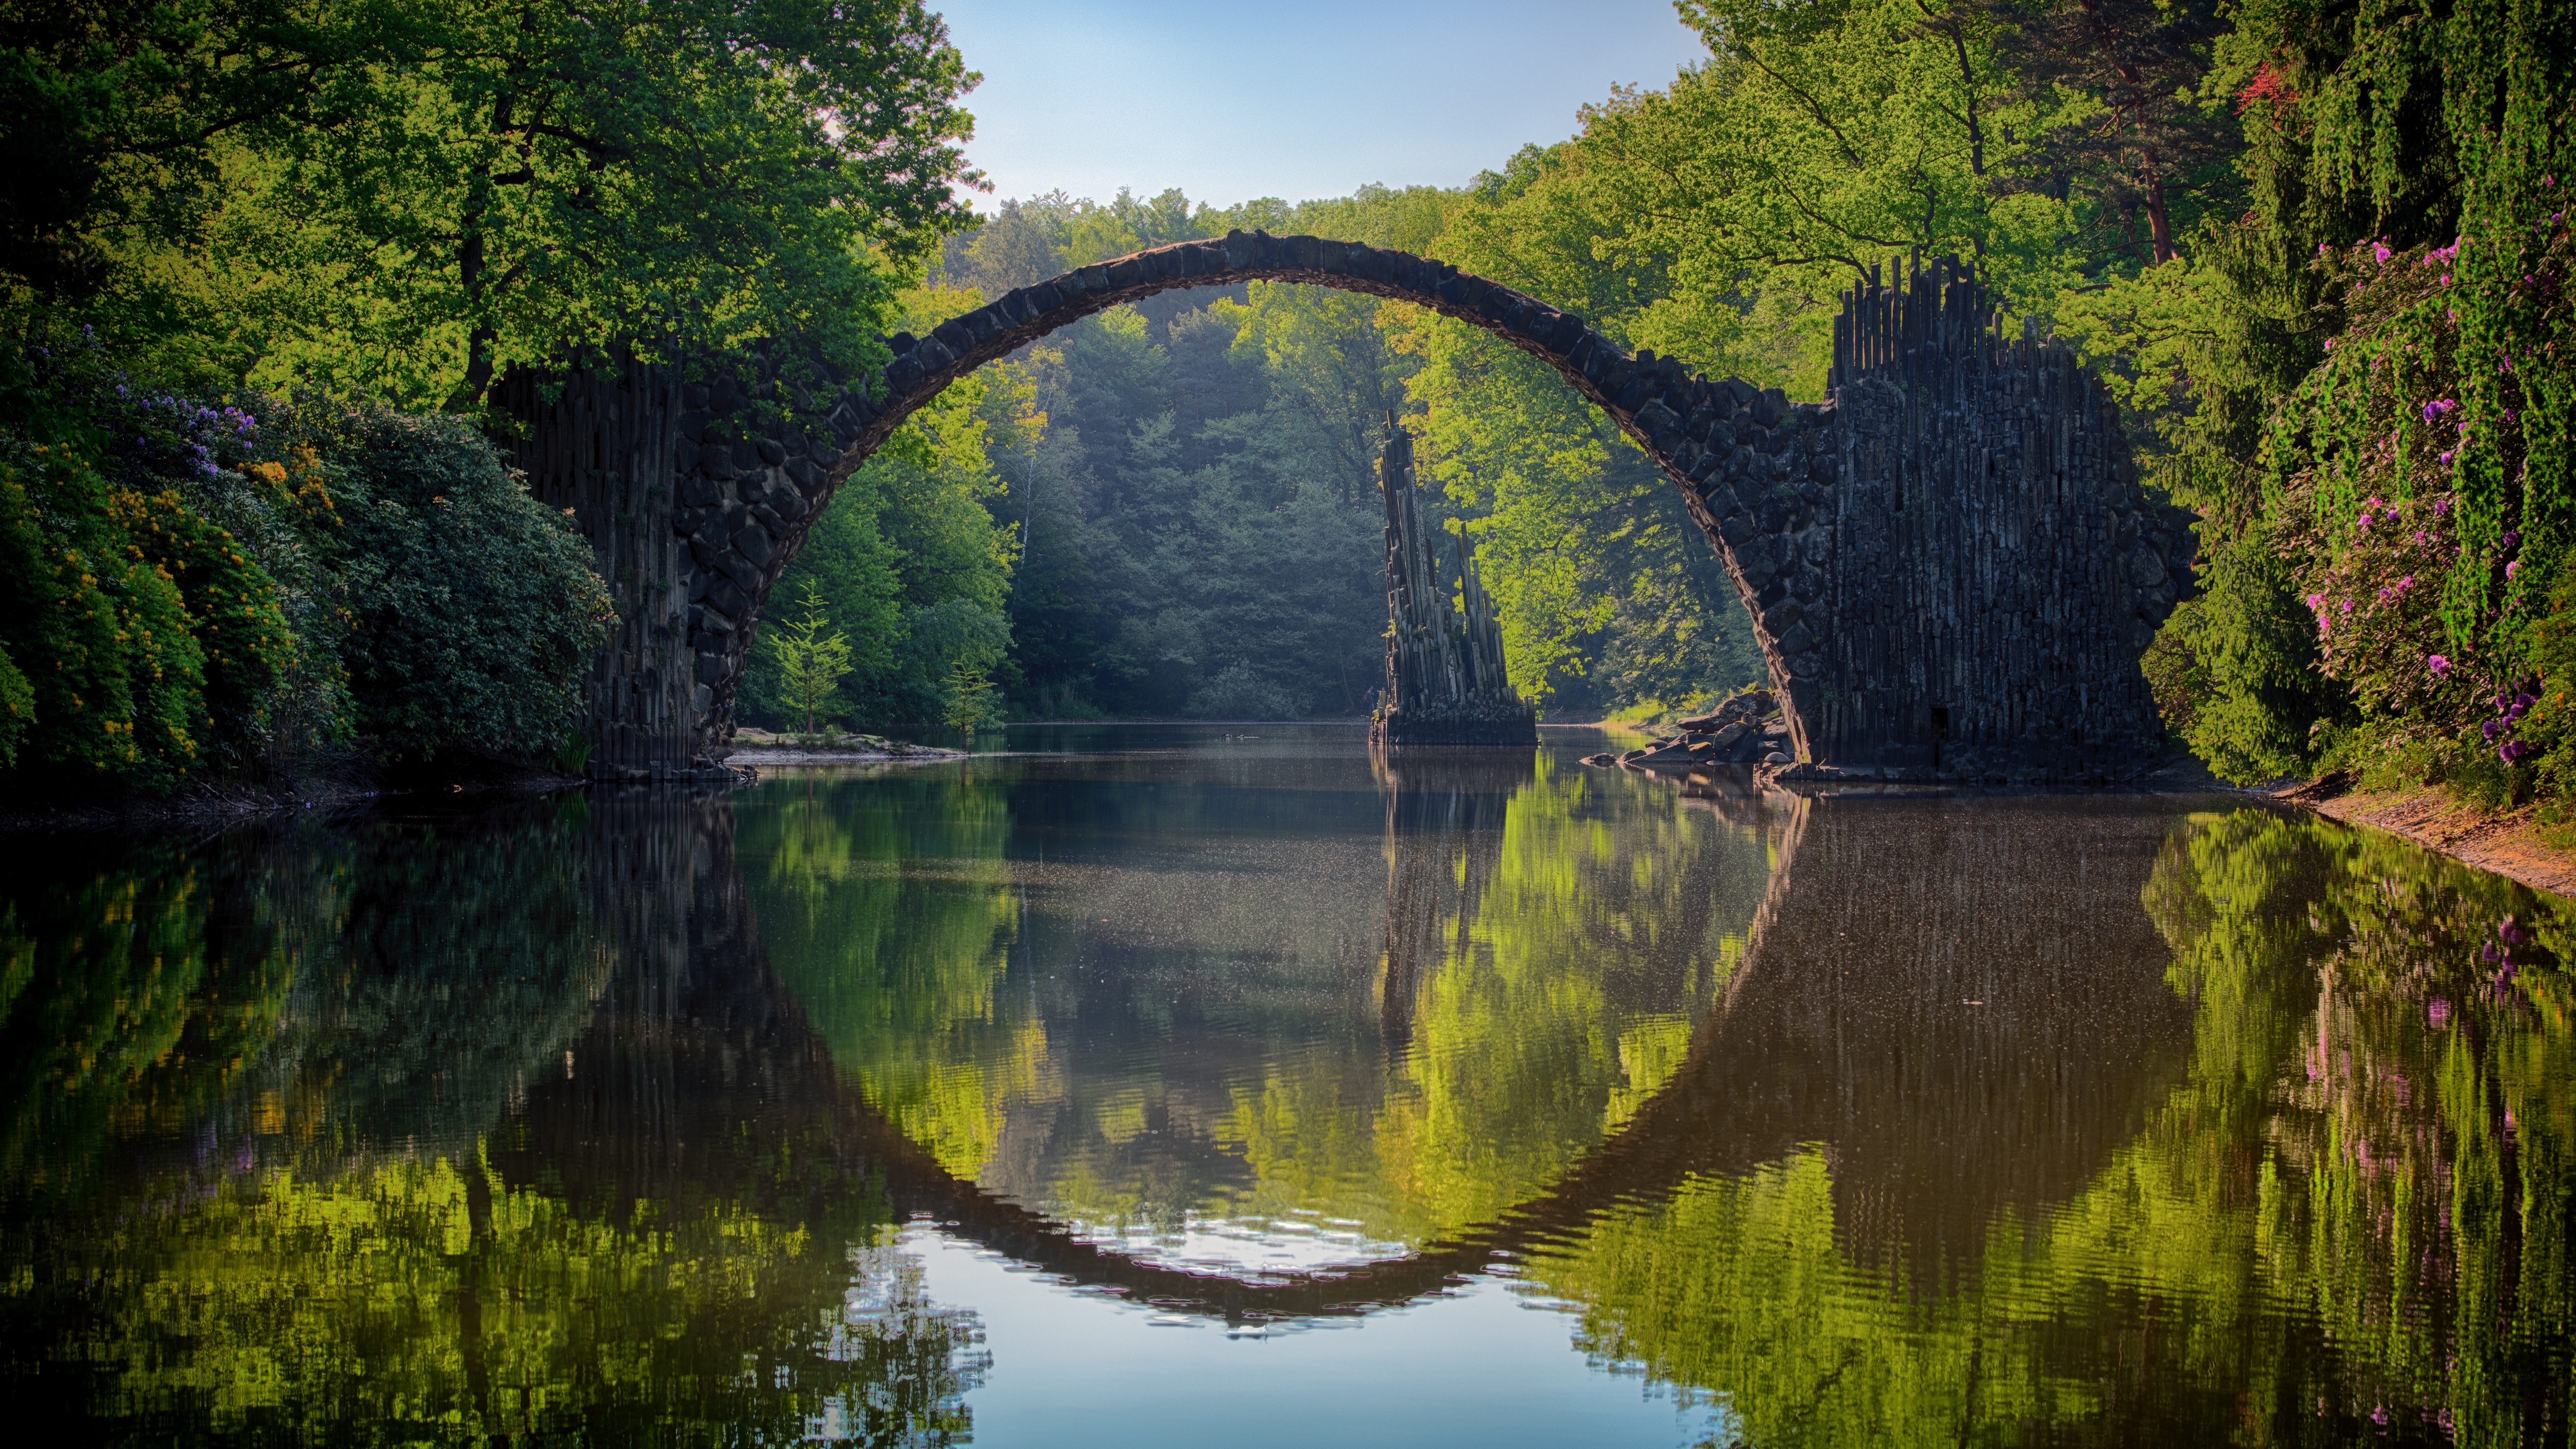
(2508, 844)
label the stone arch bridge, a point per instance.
(1950, 566)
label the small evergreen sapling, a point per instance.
(812, 659)
(968, 703)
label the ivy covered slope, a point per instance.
(2365, 384)
(259, 266)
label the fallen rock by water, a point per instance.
(1746, 730)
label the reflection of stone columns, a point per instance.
(698, 1068)
(1964, 1004)
(1444, 837)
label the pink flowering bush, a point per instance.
(2427, 551)
(2377, 605)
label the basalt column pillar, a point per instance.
(600, 444)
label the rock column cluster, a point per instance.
(694, 494)
(1445, 682)
(2001, 571)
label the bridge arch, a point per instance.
(1994, 630)
(1682, 422)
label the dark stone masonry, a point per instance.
(1950, 565)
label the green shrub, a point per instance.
(114, 682)
(232, 613)
(17, 709)
(473, 607)
(2235, 669)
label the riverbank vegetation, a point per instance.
(260, 265)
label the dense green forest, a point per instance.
(2320, 251)
(261, 264)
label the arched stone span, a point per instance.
(1993, 629)
(1668, 412)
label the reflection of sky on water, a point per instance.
(1484, 1366)
(1246, 1247)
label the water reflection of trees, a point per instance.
(313, 1136)
(1152, 1015)
(888, 910)
(2343, 1214)
(1544, 967)
(1975, 1121)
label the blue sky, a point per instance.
(1290, 98)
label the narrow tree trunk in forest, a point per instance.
(2159, 222)
(603, 450)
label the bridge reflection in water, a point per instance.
(1877, 1118)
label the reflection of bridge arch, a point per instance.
(1844, 1025)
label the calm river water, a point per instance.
(1219, 1086)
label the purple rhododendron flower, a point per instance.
(2488, 730)
(2444, 460)
(2512, 540)
(2438, 664)
(2384, 596)
(2379, 253)
(2365, 520)
(2513, 568)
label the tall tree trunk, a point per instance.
(2159, 223)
